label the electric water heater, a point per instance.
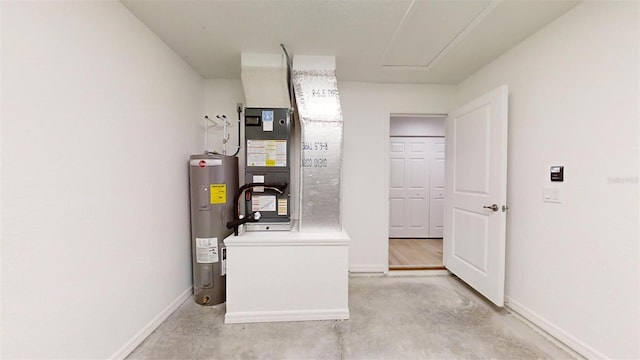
(213, 181)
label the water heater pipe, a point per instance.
(206, 132)
(225, 135)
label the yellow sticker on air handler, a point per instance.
(218, 193)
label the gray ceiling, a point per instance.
(399, 41)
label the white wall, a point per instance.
(417, 125)
(98, 120)
(366, 109)
(573, 267)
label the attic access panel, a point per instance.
(428, 28)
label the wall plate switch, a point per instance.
(551, 194)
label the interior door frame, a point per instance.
(387, 169)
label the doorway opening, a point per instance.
(416, 191)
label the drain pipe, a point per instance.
(289, 80)
(239, 109)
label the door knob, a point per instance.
(493, 207)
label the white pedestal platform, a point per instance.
(287, 276)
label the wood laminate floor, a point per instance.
(415, 254)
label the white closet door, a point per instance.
(437, 191)
(409, 188)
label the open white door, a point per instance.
(476, 193)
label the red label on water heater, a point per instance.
(202, 163)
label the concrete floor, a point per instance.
(431, 317)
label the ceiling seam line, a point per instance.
(455, 40)
(459, 36)
(395, 34)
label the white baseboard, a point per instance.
(559, 336)
(368, 268)
(278, 316)
(435, 272)
(138, 338)
(366, 274)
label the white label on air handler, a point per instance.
(206, 250)
(268, 153)
(282, 207)
(267, 120)
(263, 203)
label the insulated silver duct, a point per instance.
(318, 103)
